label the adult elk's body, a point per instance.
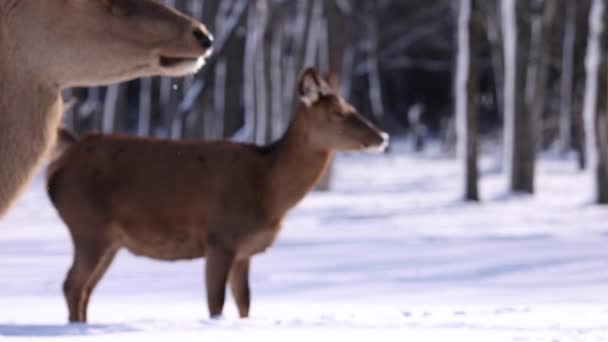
(51, 44)
(182, 200)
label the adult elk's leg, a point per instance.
(89, 265)
(239, 283)
(218, 265)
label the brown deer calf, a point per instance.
(182, 200)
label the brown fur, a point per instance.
(48, 45)
(172, 200)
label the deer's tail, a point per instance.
(65, 139)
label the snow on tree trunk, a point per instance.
(519, 148)
(594, 110)
(466, 93)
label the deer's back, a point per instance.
(155, 191)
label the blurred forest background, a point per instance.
(506, 76)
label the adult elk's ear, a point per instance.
(311, 86)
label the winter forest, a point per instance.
(472, 75)
(484, 220)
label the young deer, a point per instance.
(48, 45)
(219, 200)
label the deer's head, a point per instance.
(93, 42)
(333, 123)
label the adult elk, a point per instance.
(48, 45)
(172, 200)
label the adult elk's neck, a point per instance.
(297, 166)
(30, 111)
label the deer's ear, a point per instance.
(308, 87)
(311, 86)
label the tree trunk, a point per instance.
(567, 77)
(108, 123)
(275, 78)
(579, 124)
(595, 104)
(466, 93)
(493, 22)
(519, 125)
(260, 88)
(214, 125)
(145, 107)
(295, 61)
(373, 67)
(336, 43)
(580, 82)
(252, 45)
(69, 114)
(538, 67)
(212, 102)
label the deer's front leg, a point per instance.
(239, 282)
(219, 261)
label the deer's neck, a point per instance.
(297, 166)
(30, 111)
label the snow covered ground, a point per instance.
(391, 255)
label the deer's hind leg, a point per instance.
(218, 265)
(91, 260)
(239, 283)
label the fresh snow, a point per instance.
(391, 254)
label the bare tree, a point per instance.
(145, 106)
(519, 140)
(466, 93)
(493, 28)
(373, 67)
(336, 40)
(542, 15)
(110, 106)
(252, 53)
(595, 105)
(567, 76)
(295, 60)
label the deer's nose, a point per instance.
(385, 140)
(203, 37)
(385, 137)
